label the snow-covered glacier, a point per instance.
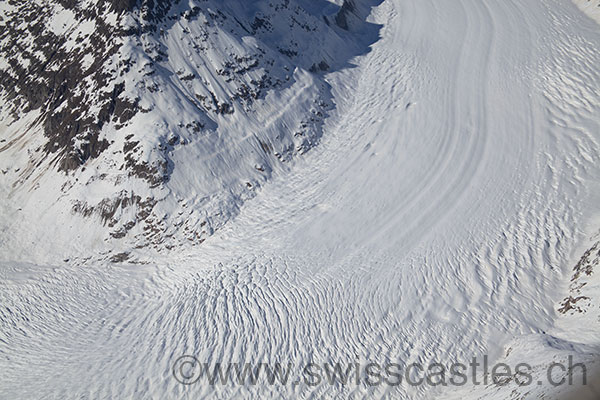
(304, 183)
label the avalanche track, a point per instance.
(439, 219)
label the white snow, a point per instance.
(440, 218)
(62, 20)
(590, 7)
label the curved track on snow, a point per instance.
(436, 221)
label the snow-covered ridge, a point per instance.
(147, 120)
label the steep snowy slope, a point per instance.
(450, 211)
(149, 124)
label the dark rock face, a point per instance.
(152, 10)
(120, 6)
(341, 19)
(52, 81)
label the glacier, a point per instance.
(449, 209)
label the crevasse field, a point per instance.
(442, 216)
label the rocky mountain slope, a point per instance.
(151, 122)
